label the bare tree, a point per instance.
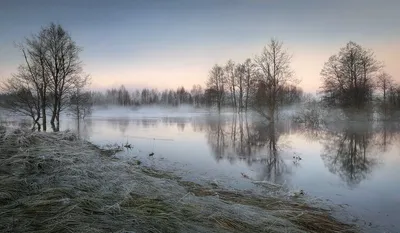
(64, 67)
(249, 69)
(196, 93)
(123, 96)
(240, 73)
(80, 104)
(348, 76)
(21, 97)
(51, 71)
(34, 52)
(394, 96)
(384, 83)
(216, 84)
(230, 77)
(274, 67)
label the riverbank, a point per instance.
(54, 182)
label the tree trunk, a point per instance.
(36, 122)
(234, 96)
(58, 120)
(44, 111)
(79, 127)
(240, 96)
(54, 112)
(247, 95)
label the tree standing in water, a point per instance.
(275, 72)
(348, 77)
(216, 86)
(51, 71)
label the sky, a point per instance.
(166, 44)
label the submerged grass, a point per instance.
(305, 217)
(53, 182)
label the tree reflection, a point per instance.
(274, 167)
(181, 125)
(349, 153)
(216, 137)
(387, 134)
(237, 139)
(84, 129)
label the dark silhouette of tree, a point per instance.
(230, 79)
(240, 83)
(51, 71)
(274, 73)
(389, 103)
(394, 97)
(80, 104)
(197, 95)
(348, 77)
(183, 96)
(290, 94)
(20, 97)
(145, 96)
(249, 80)
(264, 84)
(216, 85)
(124, 97)
(35, 71)
(384, 83)
(64, 67)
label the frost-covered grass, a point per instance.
(54, 182)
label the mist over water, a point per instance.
(311, 117)
(350, 163)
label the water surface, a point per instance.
(352, 164)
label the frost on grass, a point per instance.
(53, 182)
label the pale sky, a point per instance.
(166, 44)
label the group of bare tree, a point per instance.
(264, 83)
(389, 100)
(145, 96)
(50, 75)
(197, 96)
(352, 77)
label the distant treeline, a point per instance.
(263, 84)
(51, 80)
(197, 96)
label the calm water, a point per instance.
(354, 164)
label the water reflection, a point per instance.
(387, 134)
(350, 153)
(350, 149)
(123, 123)
(255, 142)
(362, 156)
